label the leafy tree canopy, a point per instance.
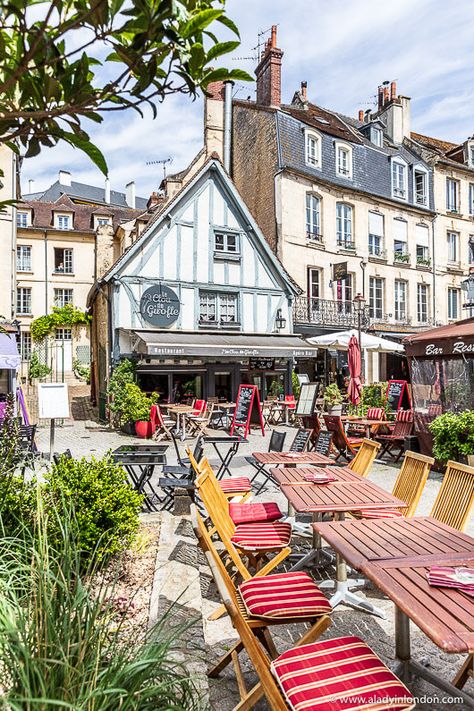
(67, 60)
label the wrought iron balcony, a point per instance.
(346, 244)
(327, 312)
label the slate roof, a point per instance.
(83, 221)
(82, 191)
(323, 120)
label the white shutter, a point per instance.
(422, 235)
(376, 224)
(400, 230)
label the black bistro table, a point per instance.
(139, 461)
(225, 457)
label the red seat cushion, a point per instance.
(253, 513)
(262, 536)
(355, 440)
(235, 483)
(284, 595)
(378, 513)
(374, 413)
(339, 675)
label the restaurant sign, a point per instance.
(457, 348)
(160, 306)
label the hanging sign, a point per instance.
(397, 394)
(339, 271)
(262, 363)
(160, 306)
(248, 403)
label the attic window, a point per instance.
(313, 149)
(376, 136)
(322, 120)
(470, 154)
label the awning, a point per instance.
(341, 339)
(178, 343)
(455, 339)
(9, 357)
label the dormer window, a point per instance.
(344, 160)
(399, 179)
(420, 185)
(313, 149)
(63, 221)
(23, 218)
(376, 136)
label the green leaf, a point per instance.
(199, 22)
(85, 145)
(223, 48)
(229, 23)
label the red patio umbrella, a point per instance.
(354, 361)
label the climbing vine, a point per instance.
(64, 316)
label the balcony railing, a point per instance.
(327, 312)
(314, 237)
(346, 244)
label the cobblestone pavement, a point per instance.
(183, 579)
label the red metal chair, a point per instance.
(394, 441)
(344, 445)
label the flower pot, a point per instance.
(470, 460)
(334, 409)
(128, 428)
(144, 429)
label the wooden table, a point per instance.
(181, 411)
(292, 459)
(296, 476)
(364, 422)
(396, 556)
(338, 498)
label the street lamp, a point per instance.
(359, 303)
(280, 321)
(468, 287)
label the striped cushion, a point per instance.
(404, 416)
(262, 536)
(378, 513)
(284, 595)
(253, 513)
(374, 413)
(337, 675)
(235, 483)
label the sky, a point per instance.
(343, 49)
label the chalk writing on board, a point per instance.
(300, 441)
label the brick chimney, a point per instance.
(214, 118)
(304, 90)
(361, 115)
(268, 73)
(153, 200)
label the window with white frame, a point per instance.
(400, 239)
(63, 334)
(63, 263)
(344, 294)
(226, 243)
(470, 251)
(453, 303)
(470, 154)
(452, 195)
(344, 225)
(23, 258)
(422, 303)
(63, 297)
(376, 289)
(25, 345)
(420, 179)
(471, 198)
(453, 254)
(343, 160)
(399, 179)
(62, 221)
(400, 300)
(313, 149)
(313, 217)
(22, 218)
(422, 244)
(23, 301)
(101, 220)
(218, 308)
(314, 287)
(376, 136)
(376, 234)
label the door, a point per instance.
(63, 350)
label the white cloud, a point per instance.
(343, 49)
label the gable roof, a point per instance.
(436, 144)
(323, 120)
(82, 191)
(214, 166)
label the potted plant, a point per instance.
(333, 399)
(453, 436)
(133, 406)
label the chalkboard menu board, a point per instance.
(323, 443)
(262, 363)
(300, 441)
(248, 399)
(397, 394)
(307, 399)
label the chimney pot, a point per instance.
(107, 191)
(361, 114)
(268, 73)
(65, 178)
(130, 194)
(304, 90)
(30, 185)
(274, 36)
(380, 97)
(393, 91)
(386, 95)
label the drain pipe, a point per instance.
(227, 123)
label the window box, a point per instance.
(423, 262)
(401, 257)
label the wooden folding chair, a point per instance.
(363, 460)
(164, 425)
(344, 445)
(298, 600)
(199, 423)
(453, 506)
(408, 487)
(252, 542)
(312, 675)
(394, 441)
